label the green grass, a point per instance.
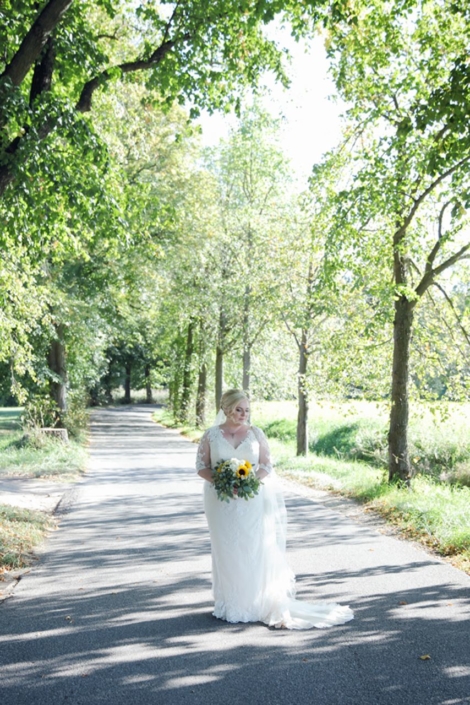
(349, 458)
(48, 457)
(435, 512)
(10, 419)
(439, 443)
(164, 417)
(32, 455)
(21, 530)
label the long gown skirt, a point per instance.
(252, 581)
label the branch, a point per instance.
(30, 48)
(430, 275)
(265, 199)
(438, 245)
(452, 259)
(149, 166)
(448, 327)
(441, 217)
(84, 102)
(257, 332)
(457, 317)
(113, 37)
(432, 186)
(291, 331)
(43, 70)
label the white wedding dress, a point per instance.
(251, 579)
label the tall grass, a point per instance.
(34, 455)
(21, 530)
(439, 440)
(349, 445)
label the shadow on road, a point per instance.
(119, 610)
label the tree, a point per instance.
(253, 178)
(403, 75)
(202, 51)
(87, 254)
(308, 292)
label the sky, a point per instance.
(312, 118)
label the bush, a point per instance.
(282, 429)
(75, 419)
(460, 475)
(40, 412)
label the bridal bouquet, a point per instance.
(235, 478)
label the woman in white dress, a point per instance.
(251, 579)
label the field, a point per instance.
(348, 456)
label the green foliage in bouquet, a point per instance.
(235, 478)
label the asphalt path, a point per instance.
(118, 608)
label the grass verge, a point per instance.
(438, 435)
(165, 418)
(33, 455)
(22, 456)
(21, 531)
(435, 513)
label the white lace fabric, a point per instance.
(213, 438)
(251, 579)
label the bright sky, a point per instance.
(312, 119)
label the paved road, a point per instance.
(118, 610)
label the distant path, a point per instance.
(118, 610)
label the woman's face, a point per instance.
(240, 412)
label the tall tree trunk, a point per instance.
(398, 454)
(201, 396)
(172, 400)
(302, 414)
(246, 329)
(107, 383)
(187, 372)
(219, 375)
(127, 383)
(219, 359)
(56, 359)
(148, 385)
(246, 367)
(176, 378)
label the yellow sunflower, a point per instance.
(243, 470)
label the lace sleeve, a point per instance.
(265, 462)
(203, 457)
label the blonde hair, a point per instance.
(230, 399)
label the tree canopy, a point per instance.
(132, 256)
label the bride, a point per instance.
(252, 581)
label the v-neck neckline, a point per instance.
(227, 440)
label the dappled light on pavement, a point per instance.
(118, 609)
